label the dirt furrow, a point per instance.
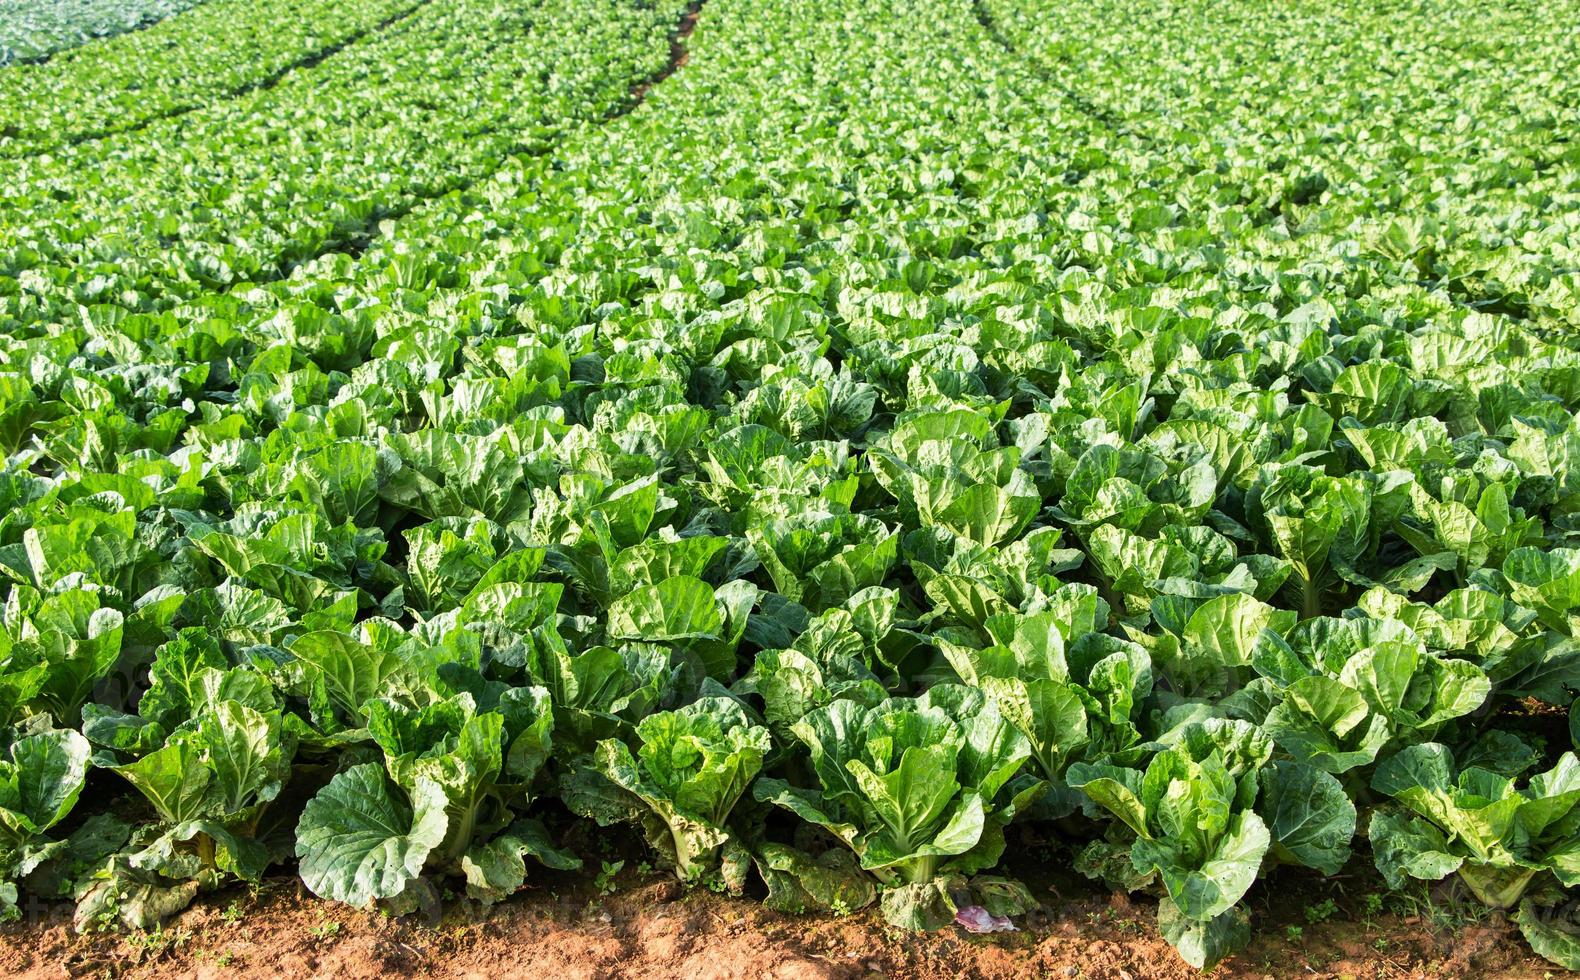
(274, 78)
(360, 242)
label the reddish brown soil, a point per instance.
(678, 55)
(561, 928)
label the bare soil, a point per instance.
(678, 56)
(561, 928)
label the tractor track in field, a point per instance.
(1457, 292)
(48, 56)
(358, 243)
(358, 237)
(306, 62)
(1107, 117)
(679, 54)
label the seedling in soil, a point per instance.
(325, 930)
(605, 881)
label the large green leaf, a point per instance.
(360, 840)
(1308, 814)
(40, 782)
